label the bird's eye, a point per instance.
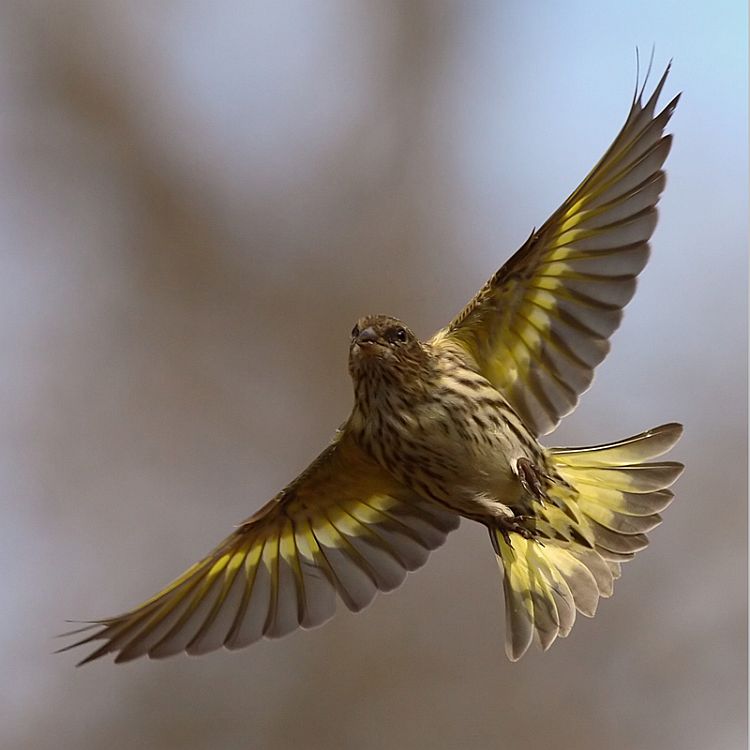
(399, 334)
(355, 332)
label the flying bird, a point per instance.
(449, 428)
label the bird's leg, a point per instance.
(515, 525)
(534, 481)
(531, 478)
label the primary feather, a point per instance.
(540, 325)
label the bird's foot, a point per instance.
(532, 479)
(516, 525)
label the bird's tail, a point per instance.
(599, 504)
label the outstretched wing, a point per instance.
(540, 325)
(344, 526)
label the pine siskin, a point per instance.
(449, 428)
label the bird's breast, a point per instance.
(451, 443)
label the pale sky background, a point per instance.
(197, 200)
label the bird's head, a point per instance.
(384, 344)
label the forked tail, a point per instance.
(601, 502)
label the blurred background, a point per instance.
(197, 201)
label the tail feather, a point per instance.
(603, 501)
(649, 444)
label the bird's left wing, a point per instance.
(540, 325)
(344, 526)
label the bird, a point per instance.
(449, 428)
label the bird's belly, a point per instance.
(448, 456)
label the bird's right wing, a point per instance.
(344, 526)
(538, 328)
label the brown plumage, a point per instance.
(449, 427)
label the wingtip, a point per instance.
(75, 631)
(91, 625)
(94, 655)
(648, 71)
(88, 659)
(672, 105)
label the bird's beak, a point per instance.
(367, 336)
(368, 344)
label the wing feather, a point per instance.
(344, 526)
(541, 324)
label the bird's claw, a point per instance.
(531, 478)
(516, 525)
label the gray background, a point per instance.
(197, 200)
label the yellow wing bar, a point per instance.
(342, 527)
(540, 325)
